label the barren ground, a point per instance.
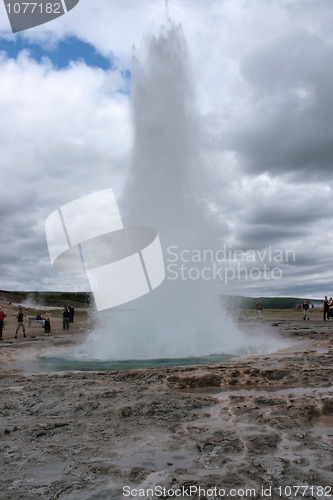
(260, 422)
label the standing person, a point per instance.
(330, 308)
(2, 319)
(259, 310)
(40, 319)
(20, 324)
(65, 318)
(325, 308)
(305, 310)
(47, 324)
(71, 314)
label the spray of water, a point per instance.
(168, 189)
(166, 9)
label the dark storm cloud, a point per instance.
(281, 211)
(288, 125)
(257, 236)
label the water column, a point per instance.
(167, 189)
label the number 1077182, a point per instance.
(33, 8)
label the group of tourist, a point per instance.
(68, 316)
(327, 308)
(45, 321)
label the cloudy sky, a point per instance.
(263, 79)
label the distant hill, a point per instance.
(269, 302)
(54, 299)
(84, 299)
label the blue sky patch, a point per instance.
(67, 50)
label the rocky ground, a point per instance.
(255, 427)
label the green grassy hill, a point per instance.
(269, 302)
(55, 299)
(83, 299)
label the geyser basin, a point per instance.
(54, 363)
(258, 339)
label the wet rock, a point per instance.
(226, 442)
(327, 407)
(11, 429)
(263, 443)
(267, 401)
(46, 429)
(107, 394)
(138, 474)
(41, 409)
(237, 399)
(275, 374)
(307, 412)
(198, 380)
(168, 408)
(125, 412)
(321, 445)
(272, 466)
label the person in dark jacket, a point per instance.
(20, 324)
(65, 318)
(71, 314)
(47, 324)
(330, 308)
(325, 308)
(305, 310)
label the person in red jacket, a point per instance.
(2, 319)
(259, 310)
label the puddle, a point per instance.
(49, 473)
(285, 390)
(324, 421)
(153, 457)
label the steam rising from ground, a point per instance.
(167, 189)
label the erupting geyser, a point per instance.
(167, 189)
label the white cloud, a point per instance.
(262, 74)
(65, 133)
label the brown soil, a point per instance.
(260, 422)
